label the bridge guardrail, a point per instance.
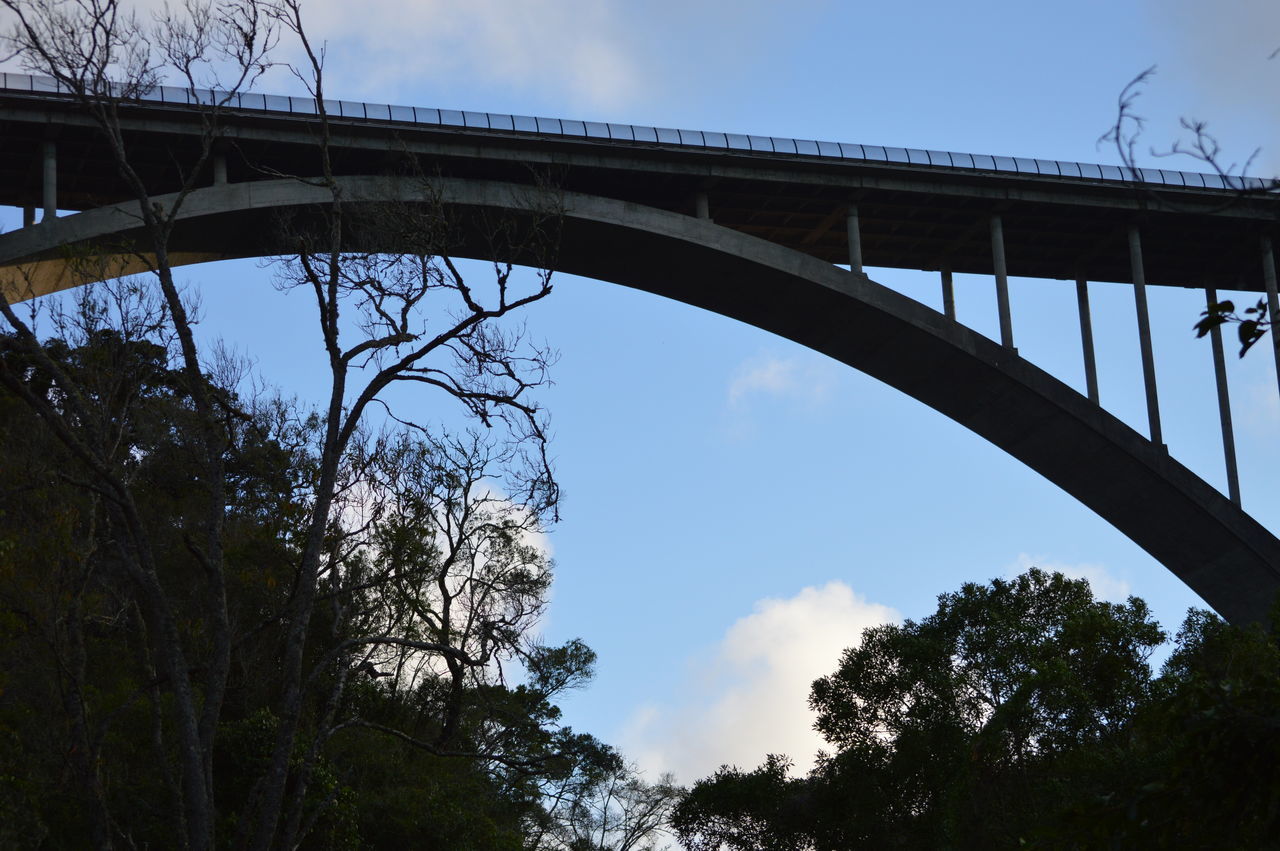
(642, 134)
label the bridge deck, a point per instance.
(918, 209)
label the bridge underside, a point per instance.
(1215, 548)
(911, 216)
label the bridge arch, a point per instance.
(1220, 552)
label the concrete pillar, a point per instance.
(50, 181)
(1002, 282)
(948, 294)
(219, 168)
(1144, 334)
(1086, 340)
(702, 205)
(1273, 303)
(854, 232)
(1224, 403)
(28, 216)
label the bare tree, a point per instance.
(432, 585)
(1200, 145)
(612, 809)
(467, 358)
(1203, 148)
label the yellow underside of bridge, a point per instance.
(42, 277)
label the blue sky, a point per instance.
(737, 508)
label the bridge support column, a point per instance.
(1002, 282)
(219, 168)
(702, 206)
(28, 216)
(855, 239)
(1224, 403)
(1144, 334)
(1273, 302)
(1086, 340)
(50, 181)
(948, 294)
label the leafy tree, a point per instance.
(78, 645)
(194, 567)
(746, 811)
(951, 731)
(412, 733)
(1199, 766)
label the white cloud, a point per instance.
(797, 379)
(580, 51)
(576, 49)
(602, 59)
(748, 697)
(1105, 585)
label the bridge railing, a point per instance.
(660, 136)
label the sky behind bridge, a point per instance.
(738, 508)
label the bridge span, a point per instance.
(746, 226)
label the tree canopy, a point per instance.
(1023, 712)
(230, 620)
(429, 720)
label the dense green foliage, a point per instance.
(412, 735)
(1023, 714)
(1200, 765)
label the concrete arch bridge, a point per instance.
(747, 226)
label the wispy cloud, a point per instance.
(578, 50)
(798, 379)
(748, 696)
(580, 58)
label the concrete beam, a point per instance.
(1086, 341)
(49, 162)
(853, 232)
(1144, 336)
(1273, 302)
(1224, 403)
(1002, 282)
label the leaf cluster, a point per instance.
(1251, 327)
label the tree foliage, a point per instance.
(1198, 767)
(413, 733)
(1022, 713)
(228, 621)
(74, 646)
